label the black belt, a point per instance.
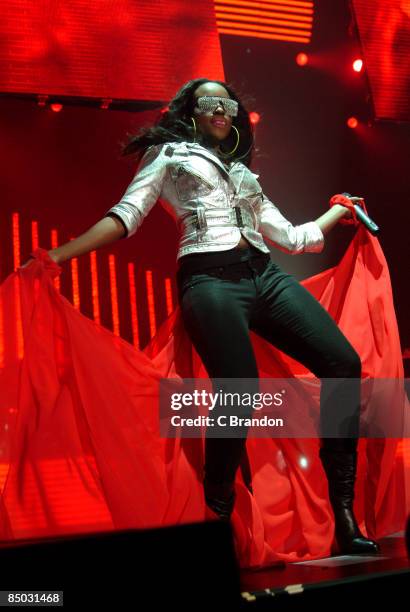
(198, 262)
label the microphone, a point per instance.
(361, 215)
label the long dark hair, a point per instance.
(176, 125)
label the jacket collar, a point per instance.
(236, 176)
(200, 150)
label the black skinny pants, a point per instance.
(223, 295)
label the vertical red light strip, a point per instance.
(54, 245)
(133, 305)
(16, 257)
(16, 239)
(168, 296)
(151, 304)
(34, 235)
(94, 287)
(54, 239)
(114, 295)
(74, 279)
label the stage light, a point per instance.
(34, 235)
(133, 304)
(56, 107)
(352, 122)
(357, 65)
(151, 303)
(114, 294)
(94, 287)
(303, 462)
(289, 20)
(75, 281)
(254, 118)
(164, 110)
(168, 296)
(302, 59)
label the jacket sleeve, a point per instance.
(143, 191)
(293, 239)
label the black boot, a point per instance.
(220, 497)
(339, 459)
(223, 456)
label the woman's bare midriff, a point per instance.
(243, 244)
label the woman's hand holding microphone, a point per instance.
(343, 200)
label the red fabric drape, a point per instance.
(79, 442)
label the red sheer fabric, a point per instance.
(79, 442)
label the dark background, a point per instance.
(65, 171)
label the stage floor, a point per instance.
(296, 577)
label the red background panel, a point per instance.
(120, 49)
(384, 30)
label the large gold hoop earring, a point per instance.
(237, 141)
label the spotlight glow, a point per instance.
(303, 462)
(302, 59)
(352, 122)
(254, 118)
(358, 65)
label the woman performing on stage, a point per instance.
(197, 158)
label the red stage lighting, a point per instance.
(352, 122)
(56, 107)
(302, 59)
(357, 65)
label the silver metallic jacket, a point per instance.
(212, 204)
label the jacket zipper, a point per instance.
(183, 170)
